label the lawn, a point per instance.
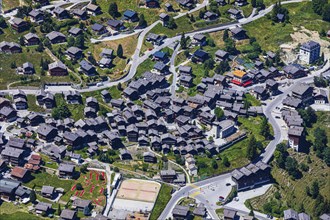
(323, 122)
(44, 178)
(77, 110)
(9, 211)
(271, 35)
(145, 66)
(9, 4)
(163, 197)
(292, 192)
(183, 25)
(93, 183)
(32, 104)
(236, 153)
(49, 162)
(251, 99)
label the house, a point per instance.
(87, 68)
(294, 71)
(92, 102)
(130, 15)
(154, 38)
(210, 16)
(26, 69)
(304, 93)
(8, 188)
(321, 97)
(186, 81)
(280, 17)
(168, 175)
(221, 55)
(234, 13)
(241, 78)
(199, 40)
(225, 128)
(75, 32)
(68, 214)
(125, 154)
(116, 25)
(310, 52)
(180, 212)
(169, 7)
(74, 53)
(105, 63)
(272, 86)
(13, 156)
(72, 97)
(200, 210)
(56, 37)
(79, 14)
(61, 13)
(186, 70)
(152, 3)
(164, 18)
(47, 191)
(57, 69)
(229, 214)
(20, 103)
(295, 137)
(160, 56)
(99, 29)
(161, 68)
(189, 4)
(31, 39)
(93, 9)
(260, 92)
(290, 214)
(221, 2)
(72, 139)
(106, 53)
(105, 96)
(10, 47)
(36, 16)
(8, 114)
(82, 205)
(200, 56)
(66, 170)
(43, 208)
(19, 173)
(47, 132)
(149, 157)
(238, 33)
(240, 2)
(19, 24)
(325, 216)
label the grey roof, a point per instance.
(228, 213)
(180, 210)
(73, 50)
(199, 37)
(303, 216)
(82, 203)
(30, 35)
(301, 89)
(74, 30)
(290, 214)
(325, 216)
(66, 167)
(221, 53)
(54, 34)
(43, 206)
(56, 64)
(310, 45)
(47, 189)
(67, 214)
(226, 123)
(45, 129)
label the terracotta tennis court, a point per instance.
(139, 190)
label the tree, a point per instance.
(3, 23)
(58, 211)
(326, 156)
(320, 141)
(218, 112)
(40, 47)
(314, 190)
(326, 13)
(291, 165)
(60, 112)
(225, 161)
(113, 10)
(142, 21)
(254, 3)
(251, 152)
(79, 186)
(83, 168)
(70, 41)
(116, 169)
(183, 41)
(318, 6)
(265, 129)
(21, 41)
(120, 51)
(33, 196)
(13, 65)
(80, 41)
(309, 116)
(214, 164)
(171, 23)
(225, 35)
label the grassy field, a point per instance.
(93, 186)
(163, 197)
(147, 65)
(41, 179)
(323, 121)
(32, 105)
(250, 98)
(9, 4)
(236, 153)
(77, 110)
(9, 211)
(292, 192)
(271, 36)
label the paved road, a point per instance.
(173, 71)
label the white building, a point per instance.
(225, 128)
(310, 52)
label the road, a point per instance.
(173, 71)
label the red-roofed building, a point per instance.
(19, 173)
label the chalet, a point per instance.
(10, 47)
(154, 38)
(8, 188)
(105, 96)
(290, 214)
(186, 70)
(221, 2)
(161, 68)
(272, 86)
(26, 69)
(164, 18)
(43, 208)
(68, 214)
(229, 214)
(72, 97)
(82, 205)
(321, 97)
(234, 13)
(13, 156)
(160, 56)
(56, 37)
(87, 68)
(99, 29)
(252, 175)
(200, 56)
(125, 154)
(238, 33)
(200, 210)
(8, 114)
(61, 13)
(75, 32)
(57, 69)
(241, 78)
(31, 39)
(47, 132)
(186, 80)
(106, 53)
(304, 93)
(93, 9)
(47, 191)
(295, 136)
(225, 128)
(260, 92)
(79, 14)
(168, 175)
(131, 93)
(130, 15)
(74, 53)
(105, 63)
(168, 139)
(152, 3)
(189, 4)
(199, 40)
(221, 55)
(180, 212)
(294, 71)
(19, 173)
(19, 24)
(116, 25)
(92, 102)
(169, 8)
(240, 2)
(36, 16)
(210, 16)
(132, 133)
(72, 139)
(66, 170)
